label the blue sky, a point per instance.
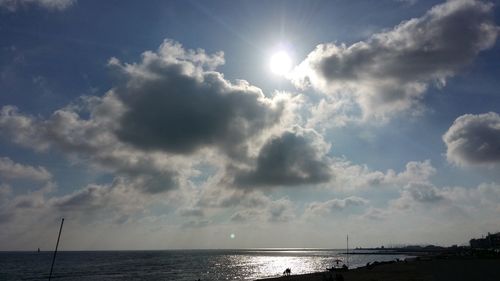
(160, 125)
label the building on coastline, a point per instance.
(490, 241)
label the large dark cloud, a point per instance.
(293, 158)
(474, 139)
(174, 104)
(166, 114)
(390, 71)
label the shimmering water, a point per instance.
(172, 265)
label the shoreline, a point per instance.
(423, 268)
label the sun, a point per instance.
(280, 63)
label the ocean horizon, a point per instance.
(187, 264)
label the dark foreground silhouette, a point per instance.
(425, 269)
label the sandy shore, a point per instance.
(455, 269)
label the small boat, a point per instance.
(338, 266)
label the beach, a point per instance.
(431, 269)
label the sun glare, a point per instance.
(281, 63)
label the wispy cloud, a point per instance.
(14, 5)
(9, 170)
(333, 206)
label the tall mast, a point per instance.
(55, 251)
(347, 250)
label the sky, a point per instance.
(244, 124)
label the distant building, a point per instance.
(490, 241)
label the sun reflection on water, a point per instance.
(267, 266)
(259, 266)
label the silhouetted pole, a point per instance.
(55, 251)
(347, 250)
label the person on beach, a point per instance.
(287, 272)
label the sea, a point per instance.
(182, 265)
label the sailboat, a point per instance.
(341, 265)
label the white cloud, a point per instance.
(112, 203)
(29, 206)
(9, 170)
(21, 129)
(391, 71)
(424, 198)
(485, 197)
(418, 193)
(281, 210)
(474, 140)
(349, 176)
(90, 140)
(5, 191)
(272, 211)
(333, 206)
(376, 214)
(191, 212)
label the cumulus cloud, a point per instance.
(484, 196)
(98, 197)
(475, 206)
(5, 192)
(243, 216)
(107, 204)
(14, 5)
(350, 176)
(293, 158)
(215, 196)
(417, 193)
(165, 114)
(196, 223)
(247, 205)
(280, 210)
(90, 140)
(191, 212)
(423, 192)
(334, 205)
(21, 129)
(175, 102)
(28, 205)
(9, 170)
(22, 209)
(474, 140)
(390, 72)
(376, 214)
